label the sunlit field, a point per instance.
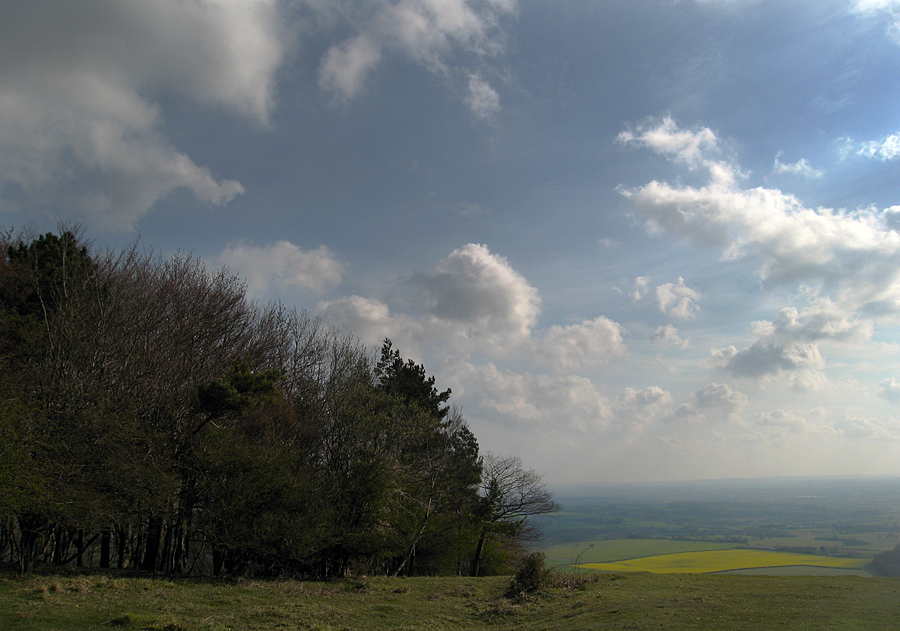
(711, 561)
(571, 554)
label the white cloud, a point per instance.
(768, 357)
(482, 99)
(636, 409)
(801, 167)
(821, 320)
(573, 348)
(782, 419)
(561, 402)
(475, 302)
(716, 401)
(369, 319)
(668, 334)
(75, 86)
(678, 300)
(891, 217)
(889, 390)
(428, 32)
(344, 68)
(876, 5)
(691, 147)
(481, 291)
(888, 148)
(857, 427)
(674, 299)
(281, 265)
(640, 287)
(854, 256)
(884, 9)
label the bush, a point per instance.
(531, 577)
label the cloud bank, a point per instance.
(76, 121)
(844, 264)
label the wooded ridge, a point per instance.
(153, 417)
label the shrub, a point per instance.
(531, 577)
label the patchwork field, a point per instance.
(825, 526)
(720, 561)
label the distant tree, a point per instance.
(509, 495)
(888, 563)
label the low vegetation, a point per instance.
(100, 602)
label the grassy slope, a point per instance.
(610, 601)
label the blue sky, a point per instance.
(640, 239)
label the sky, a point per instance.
(640, 240)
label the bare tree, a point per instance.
(510, 494)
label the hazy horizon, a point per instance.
(641, 240)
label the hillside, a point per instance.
(607, 601)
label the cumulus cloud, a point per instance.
(821, 320)
(678, 300)
(858, 427)
(282, 265)
(573, 348)
(846, 263)
(674, 299)
(668, 334)
(784, 420)
(886, 149)
(691, 147)
(428, 32)
(552, 401)
(714, 401)
(482, 291)
(768, 357)
(75, 86)
(889, 390)
(635, 409)
(369, 319)
(475, 302)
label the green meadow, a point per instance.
(609, 601)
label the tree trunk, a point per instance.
(218, 561)
(79, 548)
(155, 533)
(476, 560)
(105, 545)
(123, 537)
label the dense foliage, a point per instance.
(151, 416)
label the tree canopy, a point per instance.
(153, 417)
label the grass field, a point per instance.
(711, 561)
(622, 549)
(635, 601)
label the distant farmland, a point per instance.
(820, 526)
(723, 561)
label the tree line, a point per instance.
(153, 417)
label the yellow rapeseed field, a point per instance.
(708, 561)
